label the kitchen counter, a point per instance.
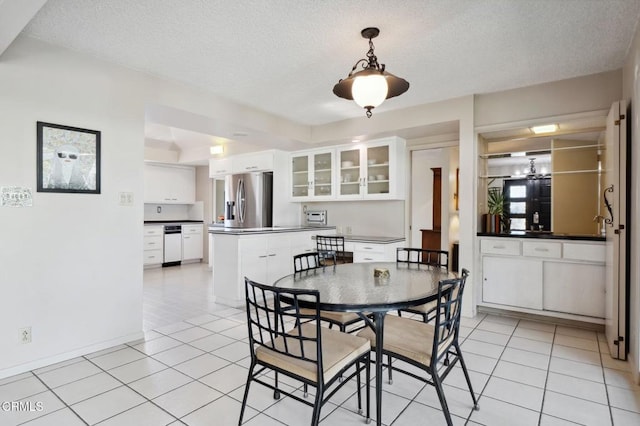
(216, 229)
(544, 235)
(162, 222)
(371, 239)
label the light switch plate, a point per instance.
(126, 198)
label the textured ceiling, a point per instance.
(284, 57)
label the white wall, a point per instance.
(71, 264)
(631, 92)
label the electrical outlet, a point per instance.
(25, 335)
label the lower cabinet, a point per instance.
(574, 288)
(153, 245)
(192, 242)
(548, 277)
(512, 281)
(263, 258)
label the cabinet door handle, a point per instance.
(186, 237)
(368, 258)
(251, 167)
(262, 256)
(499, 247)
(367, 248)
(272, 254)
(152, 244)
(152, 257)
(541, 249)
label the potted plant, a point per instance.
(495, 203)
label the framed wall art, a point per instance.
(68, 159)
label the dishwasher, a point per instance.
(172, 245)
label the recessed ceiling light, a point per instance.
(355, 140)
(547, 128)
(217, 149)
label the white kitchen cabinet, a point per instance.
(512, 281)
(256, 162)
(168, 184)
(153, 243)
(312, 175)
(220, 167)
(373, 252)
(192, 242)
(260, 257)
(552, 277)
(374, 170)
(574, 288)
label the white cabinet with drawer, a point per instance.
(192, 242)
(542, 249)
(220, 167)
(153, 245)
(373, 252)
(553, 277)
(168, 184)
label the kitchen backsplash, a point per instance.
(174, 211)
(376, 218)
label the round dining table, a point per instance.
(352, 287)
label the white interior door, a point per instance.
(614, 199)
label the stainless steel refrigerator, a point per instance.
(248, 200)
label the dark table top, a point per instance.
(351, 287)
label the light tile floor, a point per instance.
(191, 368)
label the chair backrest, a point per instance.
(275, 320)
(306, 261)
(328, 245)
(439, 258)
(448, 312)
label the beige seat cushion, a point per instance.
(337, 317)
(338, 350)
(424, 308)
(407, 337)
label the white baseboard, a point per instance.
(33, 365)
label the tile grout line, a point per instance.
(61, 400)
(546, 379)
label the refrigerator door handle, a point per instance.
(240, 196)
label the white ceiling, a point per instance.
(284, 57)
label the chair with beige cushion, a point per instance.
(305, 262)
(426, 259)
(288, 341)
(432, 348)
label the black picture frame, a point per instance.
(68, 159)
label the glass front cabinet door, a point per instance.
(312, 175)
(373, 170)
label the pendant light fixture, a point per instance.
(370, 86)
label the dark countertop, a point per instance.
(216, 229)
(160, 222)
(371, 239)
(544, 235)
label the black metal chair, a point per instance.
(288, 341)
(428, 259)
(328, 245)
(424, 345)
(308, 262)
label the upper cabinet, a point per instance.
(245, 163)
(372, 170)
(168, 184)
(220, 167)
(312, 175)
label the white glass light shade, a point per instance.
(369, 90)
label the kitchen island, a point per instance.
(266, 254)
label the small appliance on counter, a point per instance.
(248, 200)
(316, 218)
